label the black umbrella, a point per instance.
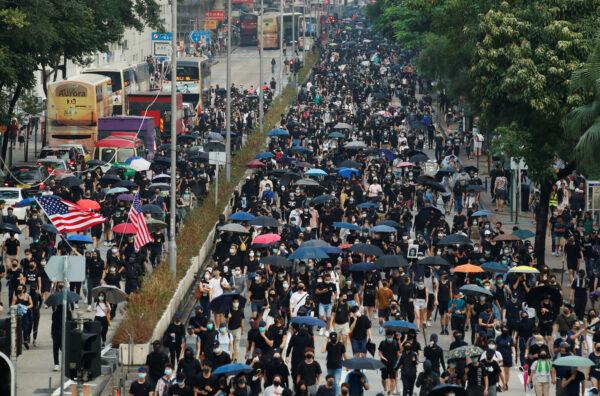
(424, 179)
(96, 163)
(126, 184)
(455, 239)
(222, 304)
(392, 261)
(448, 390)
(9, 227)
(475, 187)
(366, 248)
(71, 181)
(349, 164)
(276, 261)
(153, 209)
(419, 158)
(321, 199)
(436, 186)
(50, 228)
(433, 260)
(535, 296)
(110, 179)
(470, 169)
(363, 364)
(57, 298)
(264, 221)
(164, 161)
(214, 146)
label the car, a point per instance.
(66, 153)
(10, 196)
(56, 167)
(27, 175)
(79, 150)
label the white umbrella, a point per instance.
(355, 145)
(140, 164)
(365, 63)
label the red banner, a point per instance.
(242, 2)
(215, 15)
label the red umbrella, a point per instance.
(124, 228)
(255, 164)
(345, 246)
(266, 239)
(88, 204)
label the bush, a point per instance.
(145, 308)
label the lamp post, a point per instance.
(173, 203)
(228, 106)
(261, 47)
(281, 34)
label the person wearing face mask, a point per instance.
(421, 298)
(181, 386)
(156, 362)
(102, 314)
(389, 353)
(309, 371)
(542, 375)
(329, 388)
(434, 353)
(141, 386)
(407, 364)
(298, 299)
(277, 386)
(235, 324)
(238, 281)
(258, 295)
(360, 329)
(165, 381)
(189, 365)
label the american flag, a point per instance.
(66, 216)
(136, 217)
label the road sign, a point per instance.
(216, 158)
(75, 268)
(205, 36)
(167, 36)
(210, 24)
(215, 15)
(194, 36)
(161, 48)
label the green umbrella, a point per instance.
(155, 224)
(523, 234)
(573, 361)
(464, 352)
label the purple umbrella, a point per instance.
(125, 197)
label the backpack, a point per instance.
(243, 246)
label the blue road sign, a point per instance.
(195, 36)
(167, 36)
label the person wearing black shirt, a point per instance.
(276, 368)
(204, 382)
(309, 371)
(434, 354)
(493, 373)
(408, 369)
(189, 365)
(181, 387)
(258, 295)
(475, 377)
(301, 340)
(174, 338)
(389, 352)
(94, 267)
(325, 293)
(360, 327)
(276, 332)
(155, 362)
(336, 352)
(141, 387)
(329, 388)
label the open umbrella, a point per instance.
(265, 155)
(506, 238)
(390, 223)
(255, 164)
(25, 202)
(266, 239)
(492, 266)
(162, 176)
(314, 172)
(573, 361)
(523, 269)
(160, 186)
(276, 261)
(481, 213)
(475, 290)
(349, 226)
(383, 229)
(392, 261)
(152, 209)
(9, 227)
(57, 298)
(319, 243)
(342, 125)
(77, 238)
(278, 132)
(51, 228)
(232, 369)
(154, 224)
(307, 321)
(419, 158)
(116, 190)
(400, 325)
(88, 204)
(355, 145)
(404, 164)
(306, 182)
(364, 267)
(140, 164)
(125, 197)
(114, 295)
(125, 228)
(349, 164)
(536, 294)
(321, 199)
(222, 304)
(109, 179)
(455, 239)
(241, 216)
(363, 364)
(71, 181)
(464, 352)
(468, 269)
(448, 390)
(367, 205)
(264, 221)
(523, 234)
(366, 248)
(337, 135)
(306, 253)
(434, 261)
(234, 227)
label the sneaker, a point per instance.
(89, 308)
(56, 368)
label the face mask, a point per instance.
(114, 250)
(168, 372)
(217, 350)
(236, 305)
(100, 298)
(209, 326)
(141, 375)
(492, 347)
(223, 329)
(285, 286)
(261, 329)
(358, 314)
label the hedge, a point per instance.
(145, 307)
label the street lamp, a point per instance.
(281, 34)
(260, 68)
(228, 107)
(173, 203)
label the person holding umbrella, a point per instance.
(102, 314)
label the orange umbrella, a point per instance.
(88, 204)
(468, 268)
(506, 237)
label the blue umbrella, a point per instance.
(25, 202)
(233, 369)
(364, 267)
(308, 321)
(400, 325)
(266, 155)
(388, 154)
(241, 216)
(331, 249)
(350, 226)
(50, 228)
(321, 199)
(305, 253)
(492, 266)
(222, 304)
(390, 223)
(315, 172)
(481, 213)
(117, 190)
(382, 228)
(79, 238)
(367, 205)
(337, 135)
(348, 172)
(278, 132)
(131, 159)
(300, 149)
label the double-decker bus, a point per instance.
(74, 107)
(124, 79)
(270, 24)
(248, 29)
(193, 77)
(157, 104)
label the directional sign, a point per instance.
(194, 36)
(216, 158)
(161, 48)
(75, 268)
(167, 36)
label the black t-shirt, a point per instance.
(200, 382)
(276, 333)
(11, 246)
(325, 298)
(258, 290)
(389, 350)
(140, 389)
(492, 371)
(308, 372)
(475, 375)
(573, 388)
(176, 390)
(335, 353)
(341, 313)
(235, 319)
(156, 363)
(360, 329)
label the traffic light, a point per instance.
(5, 337)
(83, 351)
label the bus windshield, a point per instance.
(115, 79)
(188, 73)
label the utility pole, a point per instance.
(261, 47)
(293, 42)
(228, 108)
(281, 34)
(304, 31)
(173, 204)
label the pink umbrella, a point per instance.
(266, 239)
(404, 164)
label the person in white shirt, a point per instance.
(217, 285)
(374, 189)
(276, 389)
(297, 299)
(263, 184)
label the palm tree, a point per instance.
(583, 122)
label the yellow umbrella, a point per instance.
(523, 269)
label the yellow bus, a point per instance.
(193, 77)
(124, 79)
(74, 107)
(271, 30)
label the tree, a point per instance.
(525, 55)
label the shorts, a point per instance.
(383, 313)
(257, 305)
(545, 328)
(420, 303)
(342, 329)
(388, 372)
(325, 310)
(358, 346)
(369, 300)
(443, 306)
(237, 335)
